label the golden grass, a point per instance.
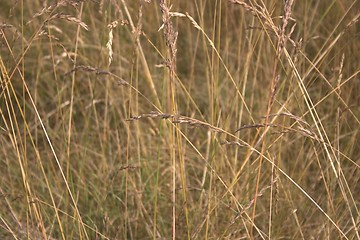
(179, 120)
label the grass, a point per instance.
(184, 119)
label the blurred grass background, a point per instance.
(179, 119)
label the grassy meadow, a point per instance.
(205, 119)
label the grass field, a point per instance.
(217, 119)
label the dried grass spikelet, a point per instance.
(70, 19)
(52, 7)
(138, 30)
(109, 44)
(175, 118)
(260, 12)
(169, 32)
(263, 14)
(283, 37)
(97, 71)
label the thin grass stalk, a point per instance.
(16, 69)
(148, 75)
(29, 196)
(67, 177)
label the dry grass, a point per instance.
(184, 120)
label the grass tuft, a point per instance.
(179, 119)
